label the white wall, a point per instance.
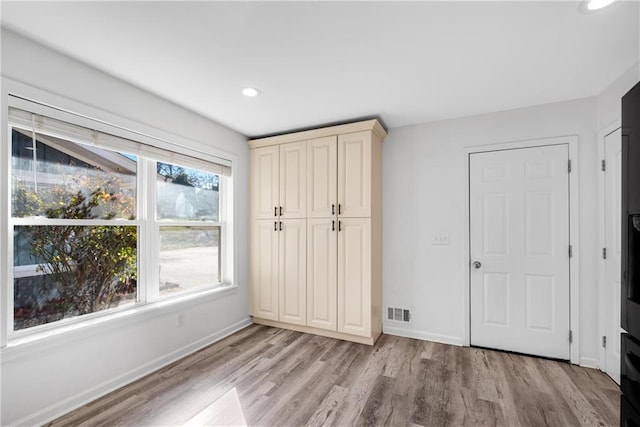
(424, 190)
(45, 378)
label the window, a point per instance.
(103, 222)
(188, 220)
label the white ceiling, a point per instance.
(327, 62)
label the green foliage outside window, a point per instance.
(86, 268)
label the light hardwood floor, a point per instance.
(274, 377)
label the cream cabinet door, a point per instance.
(293, 271)
(354, 276)
(264, 269)
(264, 186)
(354, 175)
(322, 169)
(322, 273)
(293, 180)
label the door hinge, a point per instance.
(570, 336)
(604, 253)
(570, 251)
(569, 168)
(604, 341)
(604, 165)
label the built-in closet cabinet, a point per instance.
(278, 181)
(264, 269)
(336, 291)
(340, 176)
(322, 236)
(292, 271)
(265, 182)
(278, 232)
(339, 187)
(354, 175)
(322, 273)
(354, 276)
(322, 172)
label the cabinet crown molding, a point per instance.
(366, 125)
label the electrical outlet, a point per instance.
(180, 320)
(440, 239)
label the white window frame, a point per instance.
(153, 293)
(148, 243)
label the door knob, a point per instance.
(477, 264)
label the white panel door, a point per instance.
(322, 186)
(354, 175)
(264, 200)
(322, 270)
(519, 241)
(293, 180)
(354, 276)
(292, 271)
(613, 231)
(264, 269)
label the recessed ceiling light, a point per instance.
(594, 5)
(250, 91)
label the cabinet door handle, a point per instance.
(339, 225)
(280, 225)
(333, 225)
(339, 208)
(275, 225)
(275, 211)
(333, 209)
(280, 210)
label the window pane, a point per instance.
(56, 178)
(189, 258)
(81, 270)
(22, 254)
(184, 193)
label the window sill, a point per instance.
(20, 345)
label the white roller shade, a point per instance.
(96, 133)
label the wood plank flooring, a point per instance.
(274, 377)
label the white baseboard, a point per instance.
(589, 362)
(60, 408)
(422, 335)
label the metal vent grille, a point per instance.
(398, 314)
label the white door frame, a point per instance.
(572, 142)
(602, 321)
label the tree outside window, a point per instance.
(79, 268)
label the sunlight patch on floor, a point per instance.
(225, 411)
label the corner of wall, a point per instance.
(609, 104)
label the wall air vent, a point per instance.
(398, 314)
